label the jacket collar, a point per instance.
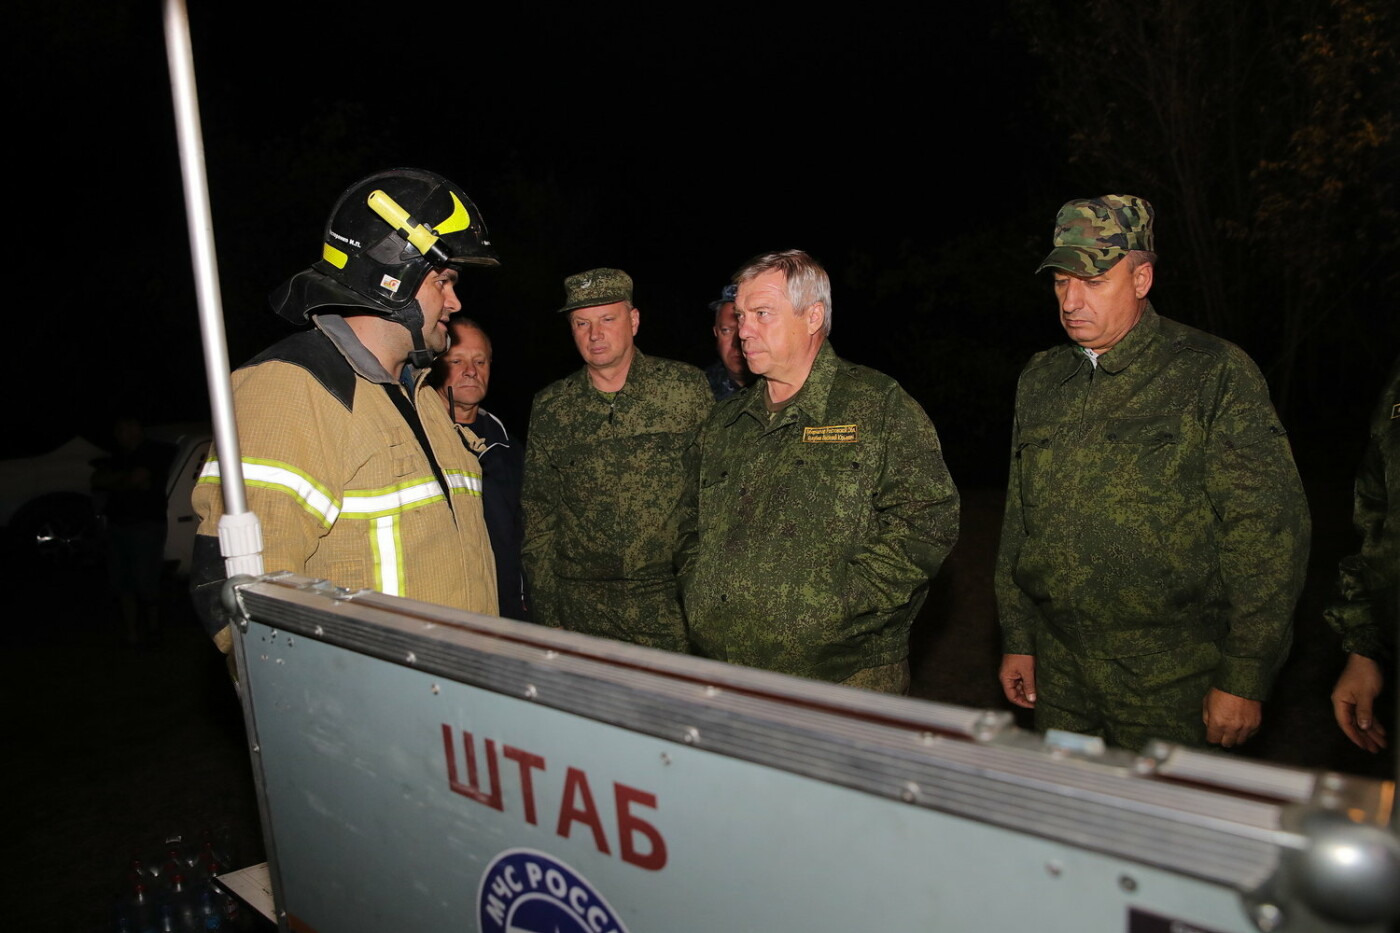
(810, 400)
(636, 375)
(1133, 345)
(365, 364)
(1142, 336)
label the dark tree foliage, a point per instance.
(1265, 136)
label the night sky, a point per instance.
(672, 143)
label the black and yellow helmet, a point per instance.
(385, 235)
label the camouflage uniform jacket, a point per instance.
(602, 481)
(340, 484)
(1369, 611)
(811, 535)
(1153, 503)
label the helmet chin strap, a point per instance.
(410, 316)
(420, 357)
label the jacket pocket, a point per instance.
(1035, 451)
(1146, 457)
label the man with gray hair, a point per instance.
(818, 506)
(1156, 532)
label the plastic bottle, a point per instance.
(211, 913)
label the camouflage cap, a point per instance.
(726, 295)
(1092, 234)
(596, 287)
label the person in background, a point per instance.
(130, 487)
(728, 373)
(1368, 612)
(462, 376)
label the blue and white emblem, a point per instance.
(526, 891)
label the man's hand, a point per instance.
(1352, 701)
(1230, 720)
(1018, 679)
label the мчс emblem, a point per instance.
(526, 891)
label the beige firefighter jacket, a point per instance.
(339, 481)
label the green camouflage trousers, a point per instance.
(1126, 701)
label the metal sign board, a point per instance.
(428, 770)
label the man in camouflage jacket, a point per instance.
(603, 475)
(1156, 533)
(1369, 611)
(818, 507)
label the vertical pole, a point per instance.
(240, 536)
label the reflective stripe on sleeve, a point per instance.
(460, 481)
(285, 478)
(390, 500)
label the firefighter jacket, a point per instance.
(602, 482)
(1153, 504)
(341, 484)
(810, 534)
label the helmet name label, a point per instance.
(344, 239)
(390, 284)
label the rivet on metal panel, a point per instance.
(665, 758)
(1267, 917)
(1127, 883)
(320, 631)
(257, 749)
(1333, 781)
(692, 736)
(910, 793)
(290, 641)
(928, 738)
(411, 658)
(1054, 868)
(712, 691)
(551, 654)
(531, 692)
(262, 657)
(281, 661)
(436, 689)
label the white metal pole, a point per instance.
(240, 536)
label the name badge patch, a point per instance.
(830, 434)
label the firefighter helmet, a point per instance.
(384, 236)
